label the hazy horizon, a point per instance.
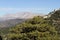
(34, 6)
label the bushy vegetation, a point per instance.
(55, 19)
(37, 28)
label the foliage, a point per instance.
(33, 29)
(55, 18)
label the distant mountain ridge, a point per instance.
(23, 15)
(9, 20)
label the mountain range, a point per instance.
(9, 20)
(22, 15)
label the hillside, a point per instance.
(11, 22)
(55, 19)
(36, 28)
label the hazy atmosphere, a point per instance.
(34, 6)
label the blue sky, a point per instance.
(35, 6)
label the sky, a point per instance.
(34, 6)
